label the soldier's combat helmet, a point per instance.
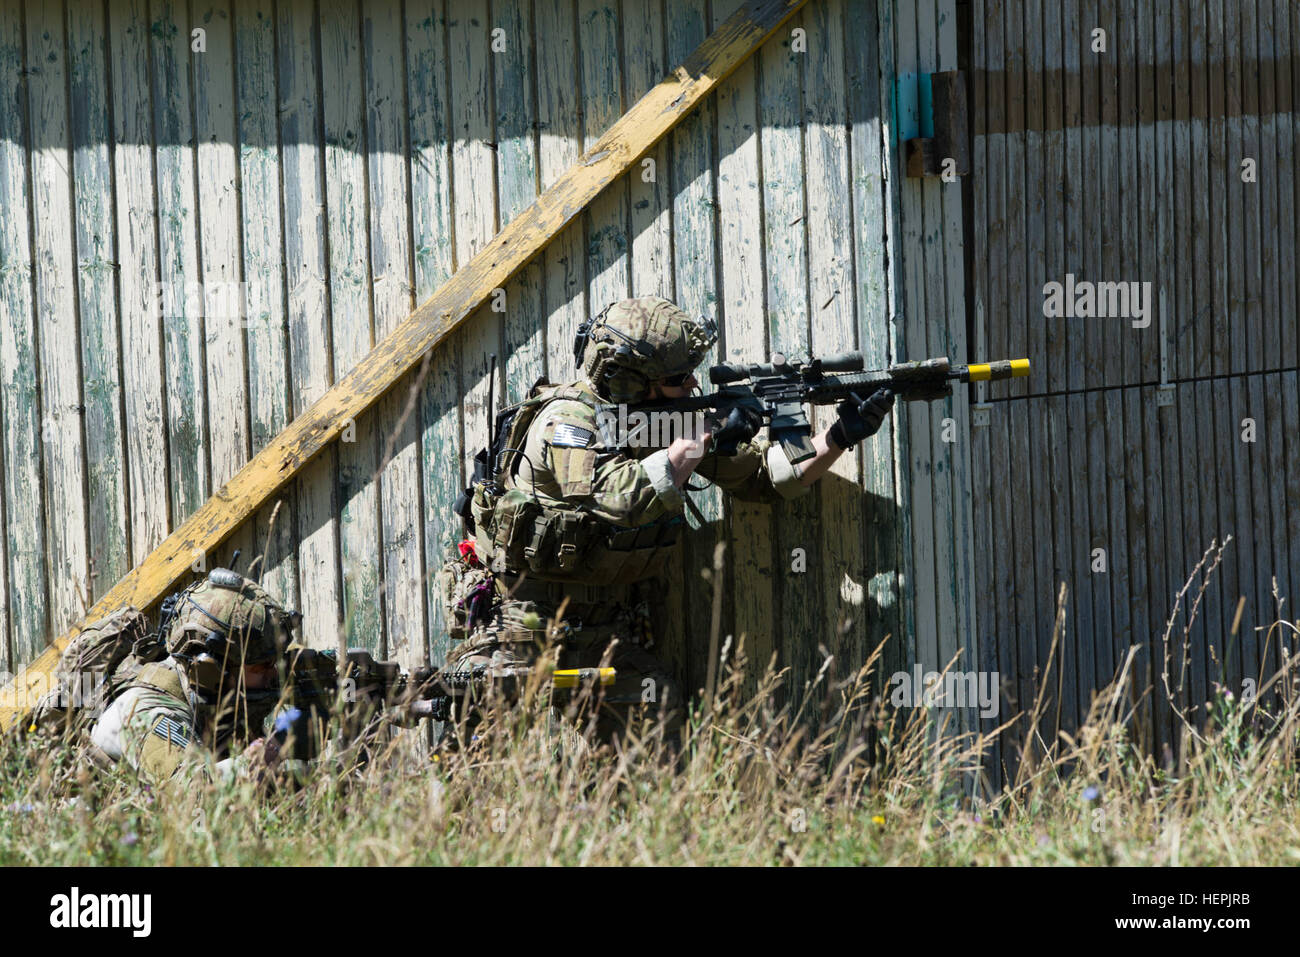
(223, 622)
(635, 342)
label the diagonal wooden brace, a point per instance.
(635, 133)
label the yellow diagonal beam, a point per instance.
(635, 133)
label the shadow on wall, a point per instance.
(797, 586)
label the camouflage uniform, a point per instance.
(568, 457)
(152, 726)
(167, 721)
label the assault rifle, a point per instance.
(359, 691)
(778, 390)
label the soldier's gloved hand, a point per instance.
(740, 426)
(860, 421)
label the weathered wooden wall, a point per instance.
(1126, 165)
(342, 160)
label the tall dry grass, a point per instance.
(826, 774)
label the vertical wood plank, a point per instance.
(915, 418)
(981, 477)
(606, 219)
(307, 282)
(1245, 461)
(1129, 184)
(474, 208)
(1218, 186)
(1234, 188)
(1158, 601)
(1265, 468)
(1138, 519)
(938, 341)
(958, 409)
(430, 172)
(1285, 74)
(893, 129)
(1265, 196)
(1180, 323)
(351, 319)
(1074, 649)
(764, 282)
(1054, 374)
(1074, 46)
(517, 170)
(559, 145)
(1092, 66)
(1119, 551)
(740, 250)
(178, 263)
(1250, 213)
(56, 318)
(397, 416)
(650, 240)
(871, 272)
(1109, 512)
(26, 620)
(1148, 248)
(1196, 499)
(1213, 527)
(144, 417)
(1198, 160)
(1291, 429)
(92, 171)
(1165, 289)
(220, 266)
(695, 282)
(263, 264)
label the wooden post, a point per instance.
(635, 133)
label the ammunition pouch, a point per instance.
(552, 540)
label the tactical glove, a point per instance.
(740, 426)
(860, 420)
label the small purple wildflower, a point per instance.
(130, 838)
(1091, 793)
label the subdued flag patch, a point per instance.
(571, 436)
(169, 729)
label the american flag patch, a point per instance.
(172, 731)
(571, 437)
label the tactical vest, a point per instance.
(518, 529)
(101, 662)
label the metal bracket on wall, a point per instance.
(942, 102)
(979, 414)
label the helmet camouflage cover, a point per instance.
(228, 621)
(635, 342)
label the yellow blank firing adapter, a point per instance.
(993, 371)
(573, 677)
